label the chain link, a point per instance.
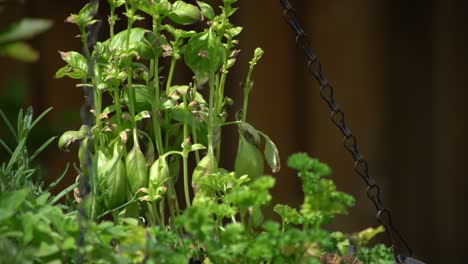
(87, 119)
(314, 67)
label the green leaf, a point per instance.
(10, 202)
(288, 214)
(204, 55)
(21, 51)
(362, 238)
(137, 42)
(76, 68)
(135, 164)
(85, 16)
(28, 221)
(249, 160)
(8, 124)
(158, 177)
(196, 147)
(272, 155)
(206, 10)
(251, 134)
(69, 137)
(205, 167)
(176, 91)
(42, 147)
(116, 3)
(144, 97)
(184, 14)
(24, 29)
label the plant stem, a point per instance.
(153, 213)
(246, 94)
(131, 91)
(211, 117)
(162, 212)
(224, 74)
(111, 20)
(154, 72)
(172, 197)
(168, 85)
(171, 71)
(155, 111)
(194, 130)
(185, 154)
(118, 107)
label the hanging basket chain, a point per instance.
(314, 67)
(87, 119)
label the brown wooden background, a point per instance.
(400, 72)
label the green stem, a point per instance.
(154, 72)
(232, 123)
(246, 94)
(154, 213)
(211, 116)
(118, 107)
(131, 91)
(185, 156)
(171, 71)
(217, 113)
(162, 212)
(194, 130)
(195, 141)
(224, 74)
(168, 85)
(172, 200)
(111, 20)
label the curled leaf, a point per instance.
(272, 155)
(206, 10)
(69, 137)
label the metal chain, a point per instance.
(314, 67)
(87, 119)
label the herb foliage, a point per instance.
(139, 148)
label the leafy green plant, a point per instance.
(141, 144)
(19, 172)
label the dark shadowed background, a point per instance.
(400, 72)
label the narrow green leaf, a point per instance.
(19, 149)
(42, 147)
(21, 51)
(196, 147)
(24, 29)
(39, 118)
(64, 192)
(8, 124)
(4, 145)
(56, 181)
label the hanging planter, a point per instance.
(158, 133)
